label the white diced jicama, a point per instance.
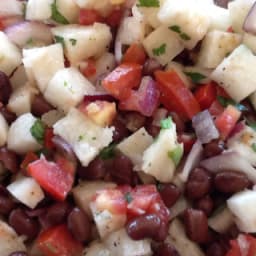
(20, 139)
(19, 77)
(27, 191)
(69, 9)
(236, 73)
(96, 249)
(250, 41)
(3, 130)
(10, 8)
(38, 9)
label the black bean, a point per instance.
(205, 204)
(213, 148)
(6, 204)
(120, 131)
(166, 249)
(9, 159)
(180, 124)
(5, 88)
(134, 121)
(40, 106)
(8, 115)
(169, 194)
(215, 249)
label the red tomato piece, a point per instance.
(122, 79)
(57, 241)
(188, 141)
(90, 68)
(226, 121)
(89, 16)
(216, 108)
(29, 158)
(175, 95)
(51, 177)
(135, 54)
(205, 95)
(114, 18)
(48, 138)
(112, 200)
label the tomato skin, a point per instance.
(122, 79)
(90, 68)
(205, 95)
(89, 16)
(226, 121)
(135, 54)
(175, 96)
(114, 18)
(216, 108)
(57, 241)
(55, 180)
(29, 158)
(48, 138)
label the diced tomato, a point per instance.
(48, 138)
(51, 177)
(188, 141)
(112, 200)
(216, 108)
(226, 121)
(230, 30)
(146, 199)
(89, 69)
(89, 16)
(250, 247)
(222, 92)
(114, 18)
(205, 95)
(135, 54)
(175, 96)
(122, 79)
(65, 164)
(29, 158)
(57, 241)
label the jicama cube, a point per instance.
(10, 242)
(38, 9)
(236, 73)
(250, 41)
(242, 207)
(86, 138)
(215, 47)
(10, 8)
(3, 130)
(69, 9)
(42, 63)
(96, 249)
(19, 77)
(82, 42)
(120, 244)
(163, 45)
(10, 56)
(20, 139)
(161, 157)
(238, 11)
(27, 191)
(70, 86)
(186, 18)
(135, 145)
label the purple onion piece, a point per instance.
(249, 25)
(204, 126)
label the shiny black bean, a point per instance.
(213, 148)
(8, 115)
(216, 249)
(153, 130)
(9, 159)
(40, 106)
(196, 225)
(180, 124)
(22, 224)
(120, 131)
(145, 226)
(18, 253)
(169, 193)
(199, 183)
(205, 204)
(64, 148)
(5, 88)
(79, 225)
(6, 205)
(134, 121)
(166, 249)
(94, 171)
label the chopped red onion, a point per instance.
(250, 21)
(229, 161)
(150, 66)
(204, 126)
(193, 159)
(29, 32)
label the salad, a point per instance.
(127, 128)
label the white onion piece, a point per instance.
(26, 31)
(194, 157)
(249, 25)
(243, 244)
(229, 161)
(204, 126)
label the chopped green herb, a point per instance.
(224, 102)
(94, 138)
(148, 3)
(175, 28)
(185, 36)
(81, 137)
(56, 15)
(30, 41)
(59, 39)
(252, 125)
(107, 152)
(195, 77)
(65, 83)
(159, 186)
(160, 50)
(166, 123)
(254, 147)
(43, 151)
(24, 9)
(176, 154)
(73, 41)
(37, 131)
(128, 197)
(182, 35)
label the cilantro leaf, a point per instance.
(176, 154)
(182, 35)
(37, 131)
(107, 152)
(166, 123)
(73, 41)
(185, 36)
(160, 50)
(56, 15)
(175, 28)
(195, 77)
(253, 147)
(148, 3)
(252, 125)
(59, 39)
(224, 102)
(128, 197)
